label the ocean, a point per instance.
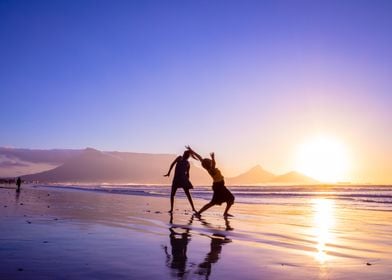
(370, 197)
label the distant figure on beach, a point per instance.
(18, 184)
(181, 178)
(221, 193)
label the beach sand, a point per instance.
(53, 233)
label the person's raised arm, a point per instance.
(194, 154)
(213, 160)
(171, 166)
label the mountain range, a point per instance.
(94, 166)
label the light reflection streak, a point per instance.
(324, 220)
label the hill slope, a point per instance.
(255, 175)
(93, 166)
(294, 177)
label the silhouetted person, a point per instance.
(181, 178)
(221, 193)
(18, 184)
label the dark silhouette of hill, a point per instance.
(294, 177)
(255, 175)
(93, 166)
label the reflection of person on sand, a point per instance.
(221, 193)
(213, 256)
(217, 241)
(181, 178)
(17, 196)
(179, 243)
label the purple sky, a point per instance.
(250, 80)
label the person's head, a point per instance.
(206, 163)
(186, 154)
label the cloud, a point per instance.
(12, 163)
(11, 166)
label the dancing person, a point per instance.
(220, 192)
(181, 178)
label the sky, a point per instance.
(249, 80)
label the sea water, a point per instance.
(377, 197)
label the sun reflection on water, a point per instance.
(324, 220)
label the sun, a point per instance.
(324, 159)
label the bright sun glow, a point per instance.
(324, 159)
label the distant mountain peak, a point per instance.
(294, 173)
(255, 175)
(92, 150)
(294, 177)
(256, 168)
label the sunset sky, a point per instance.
(253, 81)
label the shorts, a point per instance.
(182, 183)
(221, 194)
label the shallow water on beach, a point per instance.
(67, 233)
(354, 196)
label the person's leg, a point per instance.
(173, 193)
(188, 195)
(226, 214)
(171, 218)
(229, 202)
(205, 207)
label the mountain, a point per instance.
(294, 177)
(93, 166)
(258, 175)
(255, 175)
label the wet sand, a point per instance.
(48, 233)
